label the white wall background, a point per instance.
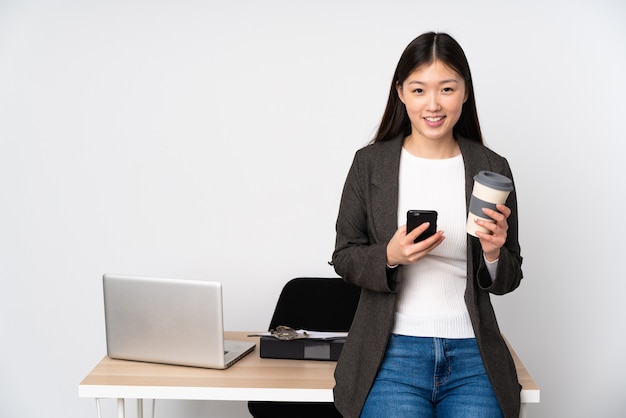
(209, 139)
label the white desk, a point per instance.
(250, 379)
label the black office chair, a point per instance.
(319, 304)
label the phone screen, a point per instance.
(415, 218)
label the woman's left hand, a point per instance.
(491, 243)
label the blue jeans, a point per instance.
(431, 377)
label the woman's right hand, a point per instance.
(402, 249)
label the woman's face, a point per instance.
(433, 95)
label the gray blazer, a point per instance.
(366, 222)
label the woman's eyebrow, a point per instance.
(451, 80)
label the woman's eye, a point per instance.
(418, 91)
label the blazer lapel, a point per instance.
(475, 160)
(384, 184)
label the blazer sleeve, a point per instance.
(360, 256)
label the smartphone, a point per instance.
(415, 218)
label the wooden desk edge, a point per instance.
(530, 391)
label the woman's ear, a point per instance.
(400, 91)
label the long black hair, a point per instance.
(424, 50)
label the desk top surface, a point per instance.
(250, 371)
(252, 377)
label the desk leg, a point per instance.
(522, 411)
(120, 408)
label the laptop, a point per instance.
(171, 321)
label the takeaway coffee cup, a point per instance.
(490, 189)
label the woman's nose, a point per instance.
(433, 102)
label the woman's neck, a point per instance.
(432, 149)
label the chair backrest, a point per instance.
(316, 304)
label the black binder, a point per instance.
(301, 349)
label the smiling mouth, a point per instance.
(435, 118)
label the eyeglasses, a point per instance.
(285, 333)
